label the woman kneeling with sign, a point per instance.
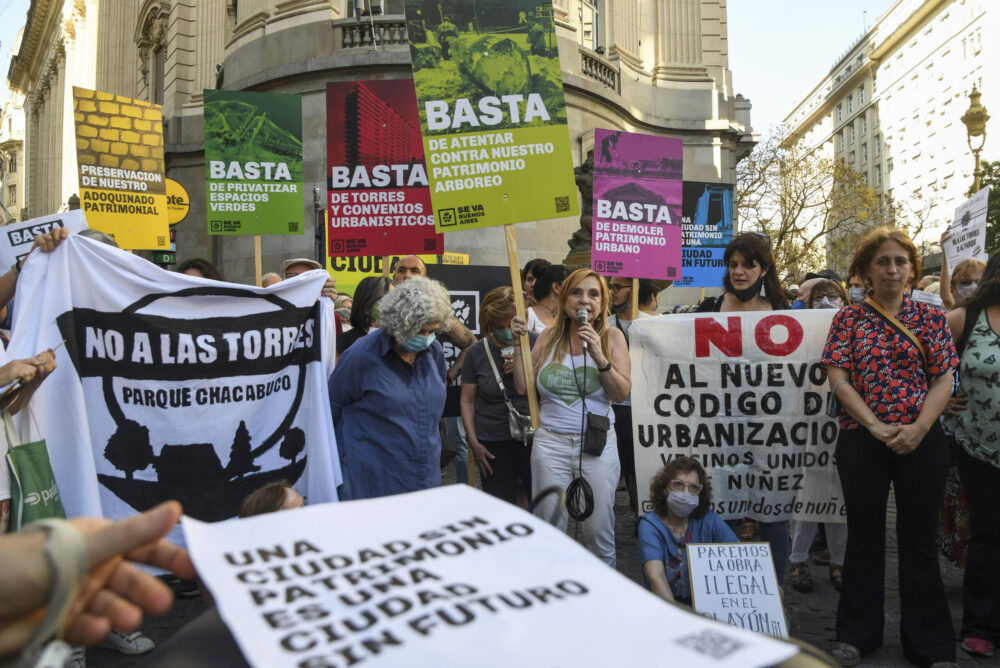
(890, 362)
(682, 513)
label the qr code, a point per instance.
(293, 226)
(161, 241)
(430, 244)
(562, 204)
(671, 272)
(712, 643)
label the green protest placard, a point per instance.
(492, 111)
(253, 162)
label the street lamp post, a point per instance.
(975, 123)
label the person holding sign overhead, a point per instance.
(581, 367)
(681, 495)
(890, 362)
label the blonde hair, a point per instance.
(966, 267)
(558, 342)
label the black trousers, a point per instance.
(511, 468)
(867, 467)
(623, 430)
(981, 585)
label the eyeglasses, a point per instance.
(762, 235)
(680, 486)
(616, 287)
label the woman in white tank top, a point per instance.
(579, 369)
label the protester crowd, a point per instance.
(912, 384)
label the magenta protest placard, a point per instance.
(638, 192)
(379, 202)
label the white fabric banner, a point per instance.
(444, 577)
(175, 387)
(16, 238)
(745, 394)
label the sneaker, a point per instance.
(801, 579)
(846, 655)
(977, 646)
(128, 643)
(77, 658)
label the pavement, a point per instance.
(812, 616)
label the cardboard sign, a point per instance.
(707, 227)
(735, 583)
(16, 239)
(745, 394)
(967, 233)
(434, 577)
(119, 153)
(492, 112)
(253, 162)
(378, 198)
(637, 205)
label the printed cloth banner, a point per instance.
(744, 394)
(637, 205)
(439, 576)
(253, 162)
(119, 154)
(707, 227)
(378, 200)
(492, 111)
(16, 239)
(175, 387)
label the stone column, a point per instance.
(623, 31)
(678, 48)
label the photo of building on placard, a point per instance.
(492, 111)
(253, 162)
(119, 152)
(637, 205)
(378, 197)
(707, 228)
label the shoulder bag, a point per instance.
(519, 425)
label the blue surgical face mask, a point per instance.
(798, 304)
(504, 336)
(857, 295)
(419, 343)
(682, 504)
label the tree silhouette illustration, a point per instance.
(240, 459)
(129, 449)
(294, 443)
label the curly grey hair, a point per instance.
(404, 311)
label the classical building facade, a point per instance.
(653, 66)
(891, 107)
(11, 160)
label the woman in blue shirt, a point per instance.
(387, 394)
(682, 498)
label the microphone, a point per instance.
(581, 316)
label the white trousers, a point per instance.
(555, 460)
(802, 538)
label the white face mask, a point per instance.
(826, 302)
(965, 290)
(682, 503)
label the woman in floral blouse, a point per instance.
(890, 362)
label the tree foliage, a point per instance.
(240, 455)
(814, 207)
(293, 444)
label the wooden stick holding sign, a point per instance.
(386, 266)
(515, 283)
(257, 260)
(635, 298)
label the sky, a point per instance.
(780, 49)
(12, 15)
